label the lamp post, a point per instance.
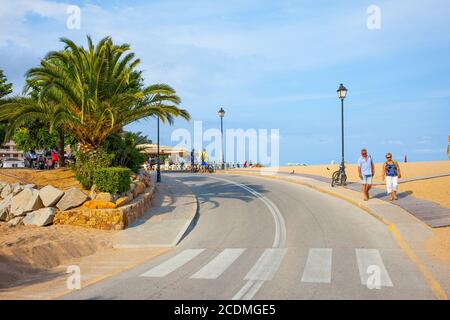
(342, 93)
(221, 115)
(158, 166)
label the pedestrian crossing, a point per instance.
(218, 265)
(173, 264)
(317, 267)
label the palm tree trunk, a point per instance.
(62, 160)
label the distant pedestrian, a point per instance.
(192, 160)
(204, 161)
(54, 156)
(366, 171)
(391, 172)
(245, 164)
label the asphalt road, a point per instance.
(265, 239)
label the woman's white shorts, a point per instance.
(391, 184)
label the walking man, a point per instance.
(366, 170)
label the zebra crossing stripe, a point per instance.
(370, 263)
(318, 266)
(266, 266)
(173, 263)
(218, 265)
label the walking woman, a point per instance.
(391, 172)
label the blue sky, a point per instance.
(272, 64)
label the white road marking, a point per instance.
(318, 266)
(371, 257)
(249, 290)
(279, 240)
(173, 263)
(266, 266)
(218, 265)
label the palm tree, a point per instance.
(97, 91)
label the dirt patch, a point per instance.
(28, 250)
(63, 179)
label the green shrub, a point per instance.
(114, 180)
(87, 163)
(124, 148)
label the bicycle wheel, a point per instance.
(343, 179)
(335, 178)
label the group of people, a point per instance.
(390, 174)
(48, 159)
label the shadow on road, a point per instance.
(210, 191)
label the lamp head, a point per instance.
(342, 92)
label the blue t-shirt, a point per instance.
(365, 166)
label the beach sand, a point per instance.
(436, 189)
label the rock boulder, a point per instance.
(124, 200)
(7, 189)
(41, 217)
(72, 198)
(16, 188)
(15, 221)
(140, 188)
(93, 192)
(50, 195)
(4, 208)
(104, 196)
(26, 201)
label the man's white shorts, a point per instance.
(391, 184)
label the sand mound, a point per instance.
(27, 250)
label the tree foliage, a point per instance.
(124, 149)
(36, 135)
(5, 88)
(100, 90)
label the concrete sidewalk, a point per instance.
(173, 212)
(409, 232)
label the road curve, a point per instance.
(264, 239)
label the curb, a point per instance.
(427, 275)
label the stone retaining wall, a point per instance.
(107, 219)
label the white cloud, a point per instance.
(13, 18)
(392, 142)
(424, 140)
(429, 151)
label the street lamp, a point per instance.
(221, 115)
(340, 176)
(158, 166)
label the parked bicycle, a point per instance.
(339, 177)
